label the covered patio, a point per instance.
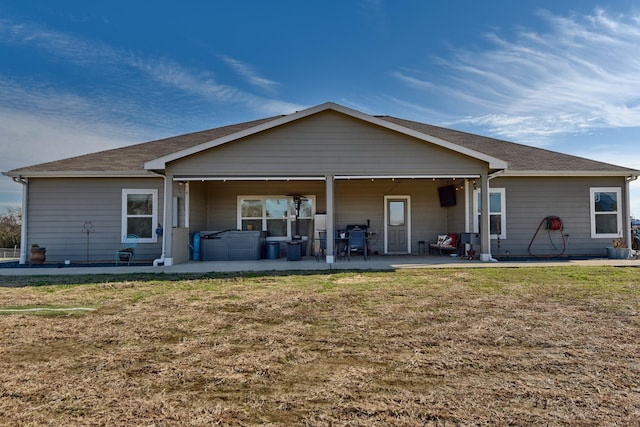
(401, 213)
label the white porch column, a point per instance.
(23, 229)
(330, 226)
(167, 242)
(485, 227)
(187, 204)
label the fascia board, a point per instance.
(81, 174)
(568, 173)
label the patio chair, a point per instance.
(358, 243)
(446, 244)
(127, 253)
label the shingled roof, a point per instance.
(521, 158)
(131, 159)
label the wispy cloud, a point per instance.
(204, 84)
(79, 51)
(30, 138)
(73, 49)
(249, 74)
(583, 73)
(44, 120)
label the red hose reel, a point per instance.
(551, 223)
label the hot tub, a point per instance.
(231, 245)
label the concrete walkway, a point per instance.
(380, 263)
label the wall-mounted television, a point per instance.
(447, 196)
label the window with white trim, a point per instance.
(276, 215)
(140, 214)
(606, 215)
(497, 212)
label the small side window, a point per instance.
(606, 215)
(140, 214)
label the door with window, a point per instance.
(397, 225)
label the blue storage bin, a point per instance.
(273, 250)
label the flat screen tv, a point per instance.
(447, 196)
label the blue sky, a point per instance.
(79, 76)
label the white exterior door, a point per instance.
(397, 219)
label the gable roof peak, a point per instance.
(160, 163)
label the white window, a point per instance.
(606, 215)
(140, 214)
(497, 212)
(276, 215)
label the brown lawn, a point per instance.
(498, 346)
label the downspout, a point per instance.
(627, 210)
(23, 227)
(495, 174)
(160, 260)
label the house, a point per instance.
(408, 181)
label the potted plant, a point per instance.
(125, 254)
(38, 254)
(619, 250)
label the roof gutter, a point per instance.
(78, 174)
(23, 227)
(568, 173)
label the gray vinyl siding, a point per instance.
(58, 209)
(198, 206)
(530, 200)
(456, 215)
(327, 142)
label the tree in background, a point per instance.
(10, 223)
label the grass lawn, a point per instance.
(489, 346)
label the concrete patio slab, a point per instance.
(377, 263)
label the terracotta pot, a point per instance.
(38, 255)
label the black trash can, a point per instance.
(273, 250)
(294, 250)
